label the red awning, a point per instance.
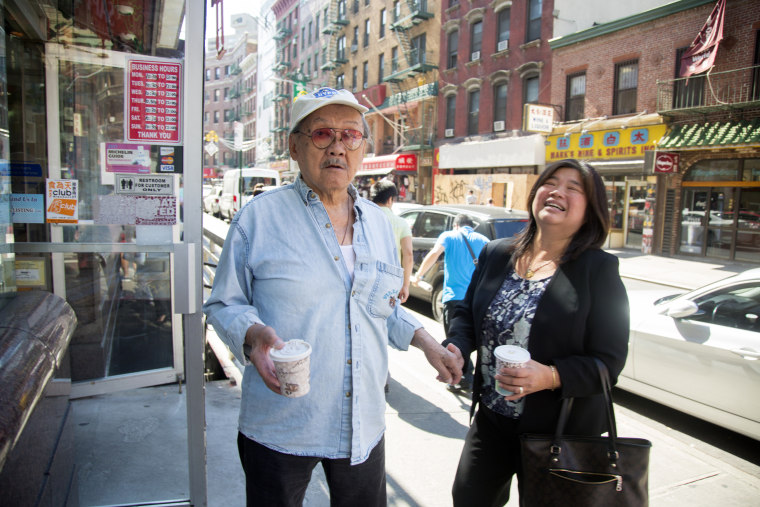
(404, 162)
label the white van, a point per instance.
(237, 187)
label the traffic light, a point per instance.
(211, 137)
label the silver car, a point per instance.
(698, 352)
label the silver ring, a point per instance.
(521, 390)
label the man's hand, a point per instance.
(262, 339)
(447, 361)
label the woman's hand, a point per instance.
(262, 339)
(531, 378)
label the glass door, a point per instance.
(118, 279)
(639, 212)
(102, 104)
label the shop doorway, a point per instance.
(639, 213)
(721, 222)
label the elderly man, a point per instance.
(312, 260)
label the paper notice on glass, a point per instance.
(136, 210)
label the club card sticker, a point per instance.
(128, 158)
(28, 208)
(62, 198)
(149, 184)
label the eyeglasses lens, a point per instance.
(323, 138)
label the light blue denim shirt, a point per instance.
(282, 266)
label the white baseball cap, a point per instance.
(306, 104)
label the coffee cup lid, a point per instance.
(512, 354)
(292, 351)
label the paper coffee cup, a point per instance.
(508, 356)
(291, 365)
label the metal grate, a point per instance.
(670, 215)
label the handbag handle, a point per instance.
(564, 415)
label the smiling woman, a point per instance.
(555, 293)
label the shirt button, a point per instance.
(348, 394)
(328, 225)
(353, 293)
(336, 258)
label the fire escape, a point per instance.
(334, 48)
(414, 62)
(282, 88)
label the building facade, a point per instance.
(645, 129)
(229, 97)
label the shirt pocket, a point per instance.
(383, 297)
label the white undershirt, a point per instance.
(350, 257)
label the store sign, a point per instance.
(154, 101)
(406, 162)
(666, 162)
(538, 118)
(62, 197)
(148, 184)
(127, 158)
(605, 144)
(374, 95)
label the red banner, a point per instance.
(700, 56)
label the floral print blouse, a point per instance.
(507, 322)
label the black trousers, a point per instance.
(274, 479)
(490, 457)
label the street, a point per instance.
(692, 462)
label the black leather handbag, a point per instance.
(585, 470)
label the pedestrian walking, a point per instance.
(314, 261)
(555, 293)
(384, 193)
(461, 245)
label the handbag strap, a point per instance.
(472, 254)
(567, 405)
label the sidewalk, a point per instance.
(678, 272)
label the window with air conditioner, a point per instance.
(451, 111)
(476, 40)
(502, 43)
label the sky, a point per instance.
(230, 7)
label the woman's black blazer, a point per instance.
(583, 314)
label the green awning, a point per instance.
(711, 135)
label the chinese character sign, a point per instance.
(62, 201)
(605, 144)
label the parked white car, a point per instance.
(211, 201)
(699, 352)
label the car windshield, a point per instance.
(508, 228)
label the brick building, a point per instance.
(230, 93)
(494, 59)
(619, 84)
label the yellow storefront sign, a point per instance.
(605, 144)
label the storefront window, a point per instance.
(748, 226)
(714, 170)
(751, 171)
(615, 200)
(722, 222)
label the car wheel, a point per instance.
(436, 304)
